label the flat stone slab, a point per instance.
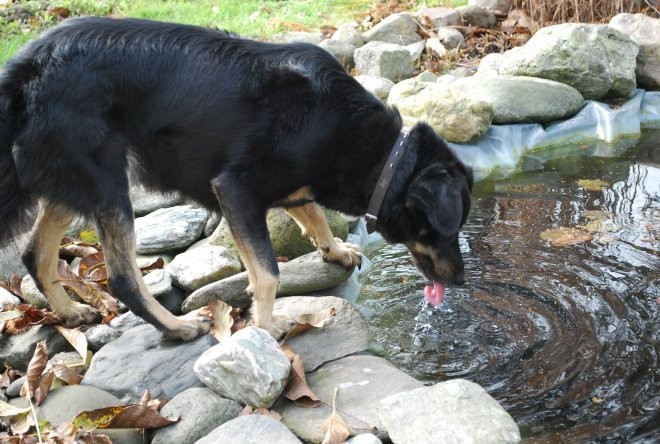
(362, 381)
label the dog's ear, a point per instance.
(434, 193)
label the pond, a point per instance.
(564, 337)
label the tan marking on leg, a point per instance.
(52, 221)
(119, 248)
(313, 223)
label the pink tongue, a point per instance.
(434, 293)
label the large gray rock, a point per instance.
(477, 16)
(65, 403)
(99, 335)
(285, 234)
(468, 415)
(378, 86)
(645, 31)
(387, 60)
(17, 350)
(349, 33)
(300, 276)
(141, 359)
(439, 16)
(518, 99)
(362, 382)
(453, 113)
(450, 37)
(341, 50)
(145, 201)
(200, 411)
(195, 268)
(399, 29)
(169, 228)
(496, 5)
(251, 429)
(249, 367)
(597, 60)
(345, 334)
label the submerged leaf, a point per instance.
(563, 236)
(592, 184)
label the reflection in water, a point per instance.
(565, 338)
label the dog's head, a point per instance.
(436, 203)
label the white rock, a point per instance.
(249, 367)
(195, 268)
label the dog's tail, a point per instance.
(14, 203)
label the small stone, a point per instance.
(99, 335)
(195, 268)
(251, 429)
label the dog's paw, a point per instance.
(345, 254)
(189, 328)
(278, 326)
(76, 314)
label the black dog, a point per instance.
(223, 120)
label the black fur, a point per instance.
(219, 119)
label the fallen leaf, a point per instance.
(89, 237)
(64, 433)
(297, 389)
(592, 184)
(77, 249)
(10, 410)
(149, 264)
(76, 338)
(90, 292)
(34, 370)
(336, 429)
(21, 423)
(133, 416)
(563, 236)
(31, 315)
(45, 383)
(90, 263)
(66, 374)
(308, 321)
(89, 438)
(15, 285)
(222, 319)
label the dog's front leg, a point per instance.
(313, 224)
(247, 223)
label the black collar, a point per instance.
(384, 182)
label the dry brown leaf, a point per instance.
(10, 410)
(592, 184)
(21, 423)
(35, 368)
(15, 285)
(89, 438)
(91, 262)
(66, 374)
(64, 433)
(336, 429)
(297, 389)
(76, 338)
(42, 390)
(308, 321)
(222, 319)
(31, 316)
(77, 249)
(149, 264)
(563, 236)
(90, 292)
(133, 416)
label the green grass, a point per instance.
(246, 17)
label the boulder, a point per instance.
(141, 359)
(453, 113)
(387, 60)
(341, 50)
(362, 381)
(502, 6)
(399, 29)
(302, 275)
(597, 60)
(251, 429)
(467, 412)
(349, 33)
(285, 234)
(439, 16)
(169, 228)
(249, 367)
(345, 334)
(645, 31)
(195, 268)
(473, 15)
(518, 99)
(145, 201)
(200, 410)
(450, 37)
(378, 86)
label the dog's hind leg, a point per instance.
(41, 259)
(313, 223)
(116, 230)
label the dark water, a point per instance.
(566, 338)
